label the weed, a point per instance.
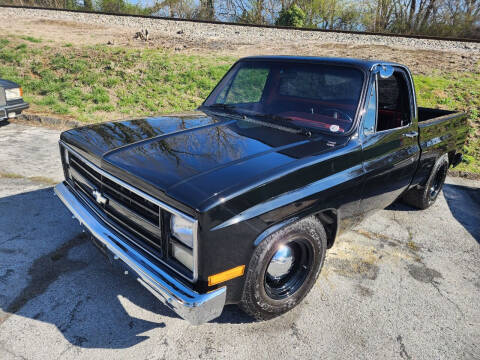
(43, 180)
(10, 175)
(4, 42)
(31, 39)
(412, 246)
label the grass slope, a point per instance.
(101, 83)
(458, 92)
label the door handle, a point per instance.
(411, 134)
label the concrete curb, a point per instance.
(46, 120)
(463, 174)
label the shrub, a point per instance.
(293, 16)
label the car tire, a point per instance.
(424, 197)
(266, 292)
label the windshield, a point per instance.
(315, 96)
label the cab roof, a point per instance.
(359, 63)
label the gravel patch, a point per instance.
(239, 34)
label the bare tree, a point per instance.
(459, 18)
(185, 9)
(207, 10)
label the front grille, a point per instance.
(139, 217)
(130, 211)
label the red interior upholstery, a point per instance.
(300, 110)
(319, 120)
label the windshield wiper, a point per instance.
(289, 128)
(301, 130)
(221, 106)
(245, 117)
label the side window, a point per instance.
(247, 86)
(393, 102)
(370, 119)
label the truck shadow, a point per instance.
(50, 272)
(400, 206)
(464, 203)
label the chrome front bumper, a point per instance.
(190, 305)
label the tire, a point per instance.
(424, 197)
(264, 297)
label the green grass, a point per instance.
(247, 87)
(31, 39)
(98, 83)
(458, 92)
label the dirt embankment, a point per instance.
(422, 56)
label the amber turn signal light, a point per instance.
(226, 275)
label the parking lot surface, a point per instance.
(404, 284)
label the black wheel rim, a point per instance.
(438, 182)
(287, 285)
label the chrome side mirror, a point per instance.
(385, 71)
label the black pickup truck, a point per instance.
(238, 203)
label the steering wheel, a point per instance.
(331, 110)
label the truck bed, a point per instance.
(440, 132)
(427, 114)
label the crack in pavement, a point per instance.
(71, 319)
(44, 271)
(425, 274)
(403, 351)
(3, 348)
(11, 239)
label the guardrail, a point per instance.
(425, 37)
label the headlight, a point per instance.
(13, 94)
(182, 230)
(183, 255)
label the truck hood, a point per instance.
(193, 158)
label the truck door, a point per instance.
(389, 132)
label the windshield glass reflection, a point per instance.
(316, 96)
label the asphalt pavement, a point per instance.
(404, 284)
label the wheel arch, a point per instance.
(327, 217)
(329, 220)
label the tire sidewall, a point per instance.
(310, 230)
(439, 165)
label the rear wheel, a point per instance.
(283, 269)
(424, 197)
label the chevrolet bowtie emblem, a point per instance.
(99, 198)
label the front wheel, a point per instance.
(283, 269)
(423, 198)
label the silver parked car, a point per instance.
(11, 100)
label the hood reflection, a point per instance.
(204, 154)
